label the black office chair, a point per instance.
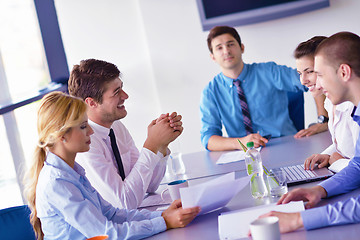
(296, 109)
(15, 224)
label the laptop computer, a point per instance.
(296, 174)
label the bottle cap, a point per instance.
(250, 144)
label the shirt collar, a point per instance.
(343, 107)
(243, 73)
(57, 162)
(241, 77)
(103, 132)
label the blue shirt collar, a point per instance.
(241, 77)
(58, 163)
(243, 73)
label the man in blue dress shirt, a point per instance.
(337, 64)
(265, 86)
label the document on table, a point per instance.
(154, 199)
(232, 156)
(236, 224)
(213, 194)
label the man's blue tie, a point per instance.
(244, 107)
(116, 154)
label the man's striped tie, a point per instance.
(244, 107)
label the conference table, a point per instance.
(284, 151)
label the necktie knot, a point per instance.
(111, 134)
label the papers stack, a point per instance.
(213, 194)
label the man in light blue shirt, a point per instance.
(337, 64)
(265, 86)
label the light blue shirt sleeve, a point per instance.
(210, 116)
(344, 181)
(340, 213)
(283, 77)
(91, 220)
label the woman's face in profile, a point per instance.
(305, 68)
(77, 139)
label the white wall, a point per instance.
(161, 49)
(112, 30)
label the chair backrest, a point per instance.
(296, 109)
(15, 224)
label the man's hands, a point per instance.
(175, 216)
(254, 137)
(311, 195)
(313, 129)
(321, 159)
(288, 222)
(174, 120)
(162, 131)
(219, 143)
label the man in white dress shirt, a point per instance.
(98, 83)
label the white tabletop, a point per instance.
(279, 152)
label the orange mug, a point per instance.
(102, 237)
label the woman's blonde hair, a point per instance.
(58, 113)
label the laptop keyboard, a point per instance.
(297, 172)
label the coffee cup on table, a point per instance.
(174, 189)
(265, 229)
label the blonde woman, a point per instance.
(64, 205)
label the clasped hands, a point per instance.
(162, 131)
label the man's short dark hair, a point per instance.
(220, 30)
(89, 78)
(341, 48)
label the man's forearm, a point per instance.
(219, 143)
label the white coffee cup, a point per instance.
(173, 188)
(265, 229)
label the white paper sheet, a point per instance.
(213, 194)
(232, 156)
(236, 224)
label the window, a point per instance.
(9, 188)
(24, 71)
(21, 48)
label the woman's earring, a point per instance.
(64, 140)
